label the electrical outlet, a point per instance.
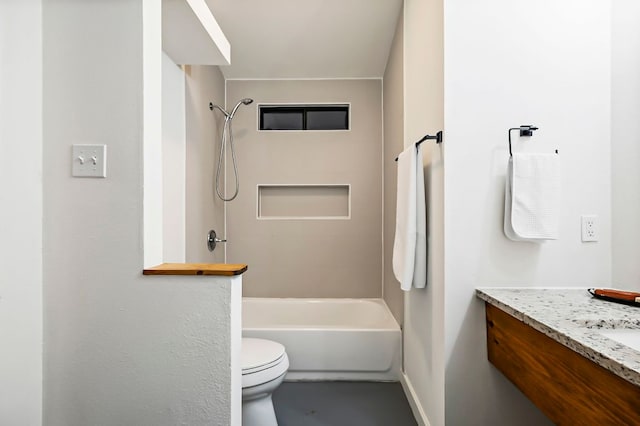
(590, 227)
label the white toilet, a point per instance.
(264, 364)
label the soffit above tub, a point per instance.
(191, 34)
(307, 38)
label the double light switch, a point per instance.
(89, 161)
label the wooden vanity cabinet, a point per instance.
(569, 388)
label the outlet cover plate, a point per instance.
(590, 228)
(89, 161)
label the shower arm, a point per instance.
(212, 106)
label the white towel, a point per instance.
(532, 197)
(409, 247)
(420, 265)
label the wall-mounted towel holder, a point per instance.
(437, 138)
(525, 130)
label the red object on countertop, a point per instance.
(617, 294)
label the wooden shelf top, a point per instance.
(224, 269)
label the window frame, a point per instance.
(304, 109)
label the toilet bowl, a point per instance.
(264, 365)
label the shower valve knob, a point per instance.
(212, 240)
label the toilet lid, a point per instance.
(258, 353)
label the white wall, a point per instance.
(21, 212)
(173, 161)
(120, 348)
(151, 133)
(625, 143)
(423, 108)
(510, 62)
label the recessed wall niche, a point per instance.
(304, 202)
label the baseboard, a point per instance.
(416, 407)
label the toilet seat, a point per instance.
(263, 367)
(262, 361)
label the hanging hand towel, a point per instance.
(409, 248)
(420, 263)
(532, 197)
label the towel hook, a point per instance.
(525, 130)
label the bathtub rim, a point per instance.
(376, 300)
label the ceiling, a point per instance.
(307, 38)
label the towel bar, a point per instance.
(437, 138)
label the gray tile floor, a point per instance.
(342, 404)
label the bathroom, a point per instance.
(111, 336)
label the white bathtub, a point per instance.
(329, 339)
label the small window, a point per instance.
(281, 119)
(304, 117)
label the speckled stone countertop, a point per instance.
(573, 318)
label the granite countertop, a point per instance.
(574, 318)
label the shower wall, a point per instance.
(326, 257)
(393, 144)
(203, 210)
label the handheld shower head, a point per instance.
(227, 138)
(245, 101)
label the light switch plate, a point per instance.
(89, 161)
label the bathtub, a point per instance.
(329, 339)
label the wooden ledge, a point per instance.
(223, 269)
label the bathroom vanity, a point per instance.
(575, 357)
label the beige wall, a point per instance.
(393, 145)
(309, 258)
(204, 211)
(424, 113)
